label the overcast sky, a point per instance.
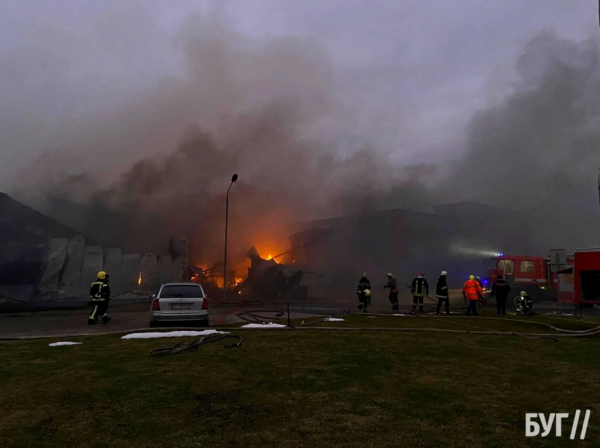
(413, 71)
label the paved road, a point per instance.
(132, 317)
(124, 318)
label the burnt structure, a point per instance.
(453, 237)
(271, 280)
(43, 262)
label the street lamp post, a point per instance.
(233, 179)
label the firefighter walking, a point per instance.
(364, 293)
(99, 296)
(419, 289)
(500, 291)
(472, 292)
(442, 294)
(393, 285)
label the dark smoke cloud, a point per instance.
(160, 164)
(240, 107)
(538, 149)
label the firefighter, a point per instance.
(500, 291)
(393, 285)
(99, 296)
(478, 280)
(419, 289)
(364, 293)
(525, 305)
(472, 292)
(442, 294)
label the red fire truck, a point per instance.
(574, 279)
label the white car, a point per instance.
(179, 303)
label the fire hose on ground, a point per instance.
(256, 318)
(193, 346)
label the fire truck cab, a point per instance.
(577, 282)
(523, 273)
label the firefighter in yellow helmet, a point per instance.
(524, 304)
(472, 292)
(99, 296)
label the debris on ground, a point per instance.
(60, 344)
(333, 319)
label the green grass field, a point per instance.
(302, 389)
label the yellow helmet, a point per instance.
(389, 274)
(471, 277)
(101, 275)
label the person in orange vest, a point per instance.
(472, 292)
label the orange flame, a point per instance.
(140, 279)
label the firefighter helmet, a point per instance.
(364, 275)
(523, 293)
(367, 292)
(444, 273)
(471, 277)
(419, 274)
(389, 274)
(101, 275)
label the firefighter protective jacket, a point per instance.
(471, 290)
(363, 284)
(420, 287)
(392, 284)
(500, 290)
(100, 290)
(441, 288)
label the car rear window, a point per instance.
(186, 291)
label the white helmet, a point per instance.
(364, 274)
(444, 273)
(389, 274)
(368, 292)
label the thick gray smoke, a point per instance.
(258, 110)
(538, 148)
(161, 164)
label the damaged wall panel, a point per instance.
(54, 262)
(113, 261)
(149, 274)
(125, 280)
(70, 284)
(179, 252)
(165, 269)
(92, 264)
(16, 293)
